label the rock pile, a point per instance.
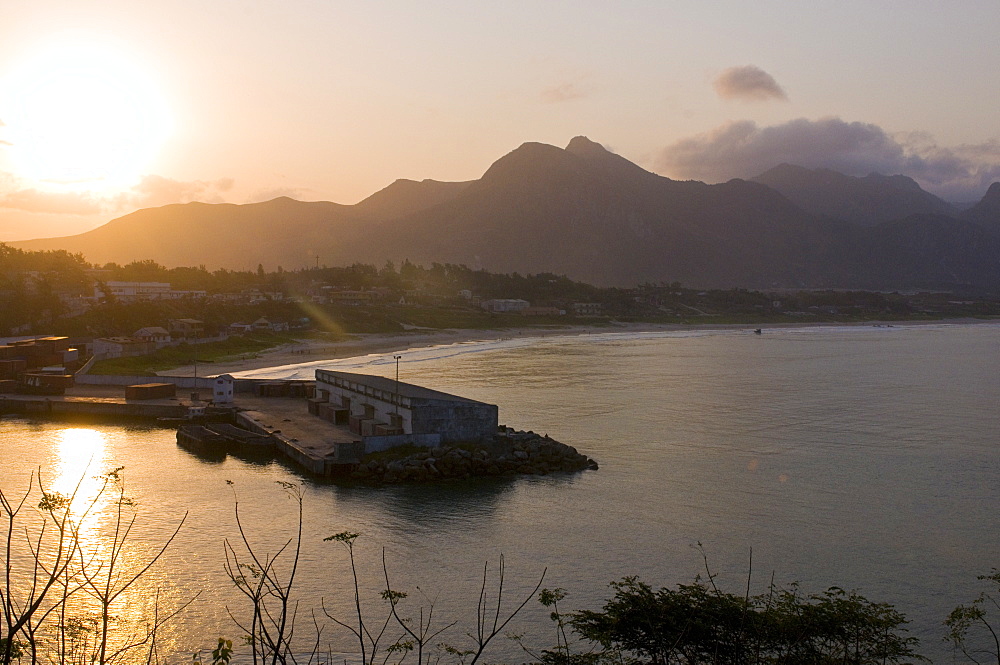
(509, 453)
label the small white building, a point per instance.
(223, 388)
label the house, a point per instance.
(376, 406)
(586, 308)
(498, 305)
(121, 347)
(264, 324)
(156, 334)
(186, 328)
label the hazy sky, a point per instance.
(109, 106)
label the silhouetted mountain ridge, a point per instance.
(588, 213)
(867, 201)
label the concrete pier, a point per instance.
(316, 445)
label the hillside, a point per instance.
(587, 213)
(865, 201)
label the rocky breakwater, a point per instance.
(510, 453)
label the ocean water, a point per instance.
(860, 457)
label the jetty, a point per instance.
(334, 426)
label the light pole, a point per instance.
(396, 358)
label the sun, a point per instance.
(79, 114)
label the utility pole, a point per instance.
(397, 382)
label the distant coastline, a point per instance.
(309, 351)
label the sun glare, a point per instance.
(80, 115)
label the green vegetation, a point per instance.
(60, 597)
(45, 292)
(698, 623)
(973, 628)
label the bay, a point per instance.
(854, 456)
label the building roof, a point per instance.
(389, 385)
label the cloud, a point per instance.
(749, 83)
(151, 191)
(66, 203)
(156, 190)
(742, 150)
(563, 92)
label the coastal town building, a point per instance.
(265, 325)
(498, 305)
(138, 291)
(374, 406)
(223, 389)
(586, 308)
(186, 328)
(121, 347)
(542, 311)
(158, 335)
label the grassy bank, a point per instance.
(234, 348)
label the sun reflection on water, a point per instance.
(80, 460)
(102, 515)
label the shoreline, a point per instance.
(380, 343)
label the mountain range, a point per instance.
(592, 215)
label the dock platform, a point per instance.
(317, 445)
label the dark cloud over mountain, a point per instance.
(743, 149)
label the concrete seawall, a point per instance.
(68, 407)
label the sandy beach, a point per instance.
(364, 344)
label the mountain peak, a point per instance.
(596, 156)
(993, 193)
(527, 161)
(986, 213)
(584, 147)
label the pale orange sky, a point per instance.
(111, 106)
